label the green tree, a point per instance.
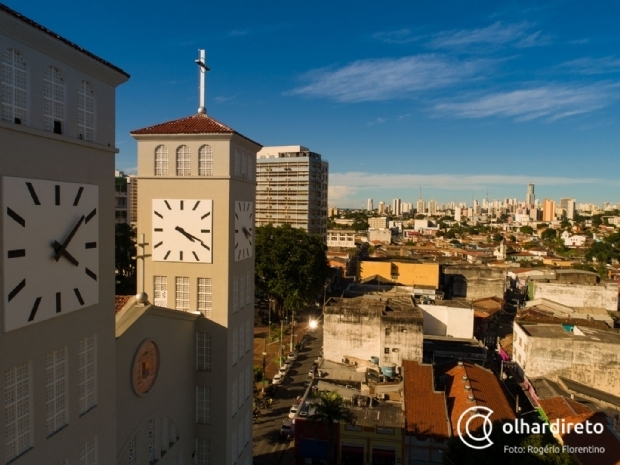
(259, 375)
(124, 250)
(291, 266)
(497, 237)
(542, 225)
(526, 230)
(332, 408)
(597, 220)
(548, 234)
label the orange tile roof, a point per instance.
(485, 389)
(199, 123)
(120, 301)
(425, 409)
(561, 407)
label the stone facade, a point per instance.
(473, 282)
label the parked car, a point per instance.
(287, 428)
(277, 379)
(292, 356)
(293, 411)
(283, 370)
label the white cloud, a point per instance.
(402, 36)
(389, 78)
(552, 102)
(495, 35)
(593, 65)
(340, 193)
(377, 121)
(352, 182)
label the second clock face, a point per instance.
(182, 230)
(244, 230)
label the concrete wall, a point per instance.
(382, 235)
(473, 282)
(408, 274)
(578, 295)
(592, 363)
(448, 321)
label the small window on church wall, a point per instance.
(184, 163)
(14, 91)
(205, 161)
(161, 161)
(86, 112)
(53, 100)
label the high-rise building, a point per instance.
(58, 359)
(548, 210)
(381, 208)
(530, 197)
(369, 205)
(292, 188)
(568, 205)
(196, 210)
(396, 207)
(432, 207)
(125, 198)
(420, 206)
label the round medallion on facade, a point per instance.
(145, 367)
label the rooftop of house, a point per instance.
(538, 315)
(374, 305)
(487, 306)
(426, 414)
(120, 301)
(383, 415)
(571, 331)
(562, 407)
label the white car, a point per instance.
(292, 356)
(293, 411)
(283, 369)
(277, 379)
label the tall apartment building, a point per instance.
(291, 188)
(196, 210)
(381, 208)
(125, 198)
(568, 205)
(420, 206)
(530, 198)
(548, 210)
(369, 205)
(396, 206)
(432, 207)
(57, 349)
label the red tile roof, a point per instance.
(120, 301)
(562, 407)
(199, 123)
(425, 409)
(485, 390)
(45, 30)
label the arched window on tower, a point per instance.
(205, 161)
(184, 161)
(86, 112)
(14, 92)
(161, 161)
(53, 100)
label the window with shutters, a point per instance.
(237, 167)
(235, 336)
(86, 112)
(235, 303)
(203, 451)
(56, 389)
(184, 161)
(161, 160)
(203, 352)
(17, 411)
(14, 92)
(205, 296)
(205, 161)
(182, 293)
(53, 100)
(248, 287)
(88, 452)
(241, 292)
(87, 374)
(203, 405)
(160, 286)
(241, 342)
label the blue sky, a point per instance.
(456, 97)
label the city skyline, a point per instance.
(451, 97)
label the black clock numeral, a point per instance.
(236, 231)
(159, 214)
(158, 229)
(181, 205)
(196, 205)
(250, 241)
(181, 255)
(17, 253)
(57, 194)
(166, 256)
(167, 205)
(79, 296)
(236, 245)
(91, 274)
(205, 231)
(17, 289)
(236, 216)
(196, 256)
(205, 215)
(91, 215)
(250, 217)
(33, 194)
(18, 219)
(35, 307)
(246, 206)
(90, 245)
(158, 244)
(78, 196)
(58, 303)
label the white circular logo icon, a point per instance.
(462, 427)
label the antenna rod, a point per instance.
(202, 65)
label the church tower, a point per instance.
(196, 211)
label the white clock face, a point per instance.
(244, 230)
(51, 249)
(183, 230)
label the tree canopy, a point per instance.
(291, 266)
(124, 250)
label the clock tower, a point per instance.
(196, 211)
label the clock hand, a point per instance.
(185, 233)
(56, 245)
(246, 232)
(62, 248)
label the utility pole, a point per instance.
(292, 330)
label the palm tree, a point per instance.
(332, 408)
